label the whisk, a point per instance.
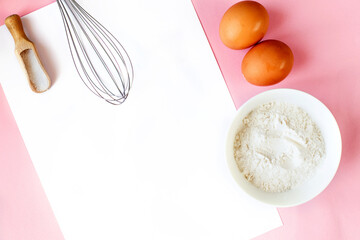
(100, 60)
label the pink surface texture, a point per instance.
(20, 7)
(325, 39)
(25, 212)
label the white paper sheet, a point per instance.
(153, 168)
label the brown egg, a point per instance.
(243, 24)
(267, 63)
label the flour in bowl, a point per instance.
(278, 146)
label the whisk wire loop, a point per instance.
(101, 61)
(88, 23)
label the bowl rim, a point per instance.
(229, 142)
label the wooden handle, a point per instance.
(14, 24)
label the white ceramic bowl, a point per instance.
(325, 171)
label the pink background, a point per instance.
(25, 212)
(325, 38)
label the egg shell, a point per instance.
(267, 63)
(243, 24)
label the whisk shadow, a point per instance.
(44, 54)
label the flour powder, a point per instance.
(278, 147)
